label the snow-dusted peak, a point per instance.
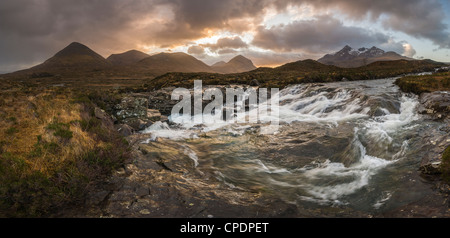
(363, 51)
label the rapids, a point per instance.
(353, 145)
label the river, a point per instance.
(353, 146)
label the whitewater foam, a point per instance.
(162, 130)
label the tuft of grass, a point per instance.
(11, 131)
(61, 130)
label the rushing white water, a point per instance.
(359, 174)
(162, 130)
(319, 107)
(345, 135)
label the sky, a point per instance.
(269, 32)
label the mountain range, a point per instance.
(349, 57)
(77, 59)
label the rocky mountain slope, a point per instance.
(349, 57)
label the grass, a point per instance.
(61, 130)
(425, 84)
(52, 150)
(307, 71)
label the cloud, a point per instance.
(226, 43)
(322, 34)
(33, 30)
(408, 50)
(197, 51)
(418, 18)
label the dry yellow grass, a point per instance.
(45, 152)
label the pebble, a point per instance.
(144, 212)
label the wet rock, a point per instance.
(96, 198)
(435, 104)
(435, 142)
(131, 107)
(106, 119)
(142, 191)
(149, 191)
(124, 130)
(134, 112)
(161, 100)
(136, 123)
(431, 168)
(153, 115)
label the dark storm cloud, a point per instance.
(33, 30)
(418, 18)
(319, 35)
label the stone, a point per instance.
(135, 123)
(124, 130)
(131, 107)
(432, 168)
(164, 119)
(97, 197)
(435, 104)
(153, 115)
(142, 191)
(161, 100)
(104, 117)
(144, 212)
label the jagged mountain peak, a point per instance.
(352, 57)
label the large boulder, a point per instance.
(133, 111)
(437, 142)
(161, 100)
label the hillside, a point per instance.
(73, 58)
(238, 64)
(172, 62)
(306, 71)
(127, 58)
